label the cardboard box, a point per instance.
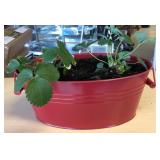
(14, 42)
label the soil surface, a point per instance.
(86, 69)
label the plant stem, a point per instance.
(138, 46)
(118, 47)
(116, 52)
(96, 57)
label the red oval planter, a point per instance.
(93, 104)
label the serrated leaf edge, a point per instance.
(37, 105)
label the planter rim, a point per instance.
(105, 80)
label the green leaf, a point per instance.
(115, 30)
(102, 36)
(48, 72)
(126, 38)
(103, 41)
(89, 43)
(21, 67)
(140, 37)
(123, 37)
(79, 46)
(82, 45)
(23, 76)
(49, 54)
(23, 60)
(12, 66)
(123, 55)
(38, 91)
(107, 27)
(121, 69)
(66, 57)
(110, 60)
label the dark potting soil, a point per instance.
(86, 69)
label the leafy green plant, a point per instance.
(37, 74)
(118, 60)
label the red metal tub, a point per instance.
(94, 104)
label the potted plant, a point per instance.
(87, 90)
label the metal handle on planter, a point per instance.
(149, 82)
(15, 76)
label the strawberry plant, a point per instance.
(40, 73)
(118, 60)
